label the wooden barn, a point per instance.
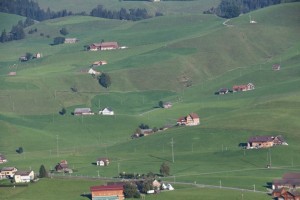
(107, 192)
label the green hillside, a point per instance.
(8, 20)
(163, 54)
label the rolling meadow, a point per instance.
(163, 54)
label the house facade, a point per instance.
(24, 176)
(247, 87)
(7, 172)
(103, 46)
(83, 111)
(276, 67)
(107, 111)
(102, 162)
(110, 192)
(167, 105)
(190, 120)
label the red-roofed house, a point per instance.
(249, 86)
(103, 46)
(289, 180)
(107, 192)
(265, 141)
(190, 120)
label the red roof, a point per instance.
(106, 188)
(194, 115)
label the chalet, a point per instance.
(100, 62)
(156, 185)
(83, 111)
(103, 46)
(276, 67)
(102, 162)
(2, 159)
(167, 105)
(288, 180)
(63, 167)
(93, 72)
(37, 55)
(223, 91)
(107, 111)
(237, 88)
(111, 192)
(190, 120)
(265, 141)
(7, 172)
(71, 40)
(24, 176)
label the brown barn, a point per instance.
(103, 46)
(191, 119)
(111, 192)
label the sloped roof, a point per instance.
(106, 188)
(264, 138)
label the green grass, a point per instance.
(162, 53)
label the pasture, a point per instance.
(163, 53)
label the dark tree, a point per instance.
(43, 172)
(4, 37)
(164, 169)
(161, 104)
(63, 111)
(131, 190)
(143, 126)
(58, 40)
(64, 31)
(28, 56)
(20, 150)
(104, 80)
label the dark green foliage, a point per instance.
(164, 169)
(63, 111)
(4, 37)
(58, 40)
(131, 190)
(28, 56)
(143, 126)
(161, 104)
(145, 185)
(104, 80)
(20, 150)
(43, 172)
(64, 31)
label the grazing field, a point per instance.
(163, 55)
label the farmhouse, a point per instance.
(83, 111)
(190, 120)
(276, 67)
(24, 176)
(63, 167)
(223, 91)
(93, 72)
(265, 141)
(8, 172)
(37, 55)
(107, 111)
(249, 86)
(100, 62)
(285, 194)
(103, 46)
(71, 40)
(12, 73)
(111, 192)
(102, 162)
(2, 159)
(289, 180)
(167, 105)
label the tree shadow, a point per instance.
(243, 144)
(89, 196)
(93, 163)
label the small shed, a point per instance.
(102, 162)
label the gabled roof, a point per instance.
(106, 188)
(194, 115)
(82, 110)
(8, 169)
(23, 173)
(103, 159)
(264, 138)
(291, 175)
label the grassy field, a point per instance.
(163, 52)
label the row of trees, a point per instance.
(122, 14)
(17, 31)
(233, 8)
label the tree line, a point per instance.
(233, 8)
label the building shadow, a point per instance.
(88, 196)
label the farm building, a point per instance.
(288, 180)
(93, 72)
(102, 162)
(285, 194)
(249, 86)
(107, 111)
(83, 111)
(37, 55)
(24, 176)
(223, 91)
(7, 172)
(265, 141)
(100, 62)
(276, 67)
(2, 159)
(63, 167)
(71, 40)
(111, 192)
(103, 46)
(167, 105)
(190, 120)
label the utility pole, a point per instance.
(98, 173)
(254, 187)
(118, 168)
(270, 157)
(57, 146)
(220, 184)
(172, 143)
